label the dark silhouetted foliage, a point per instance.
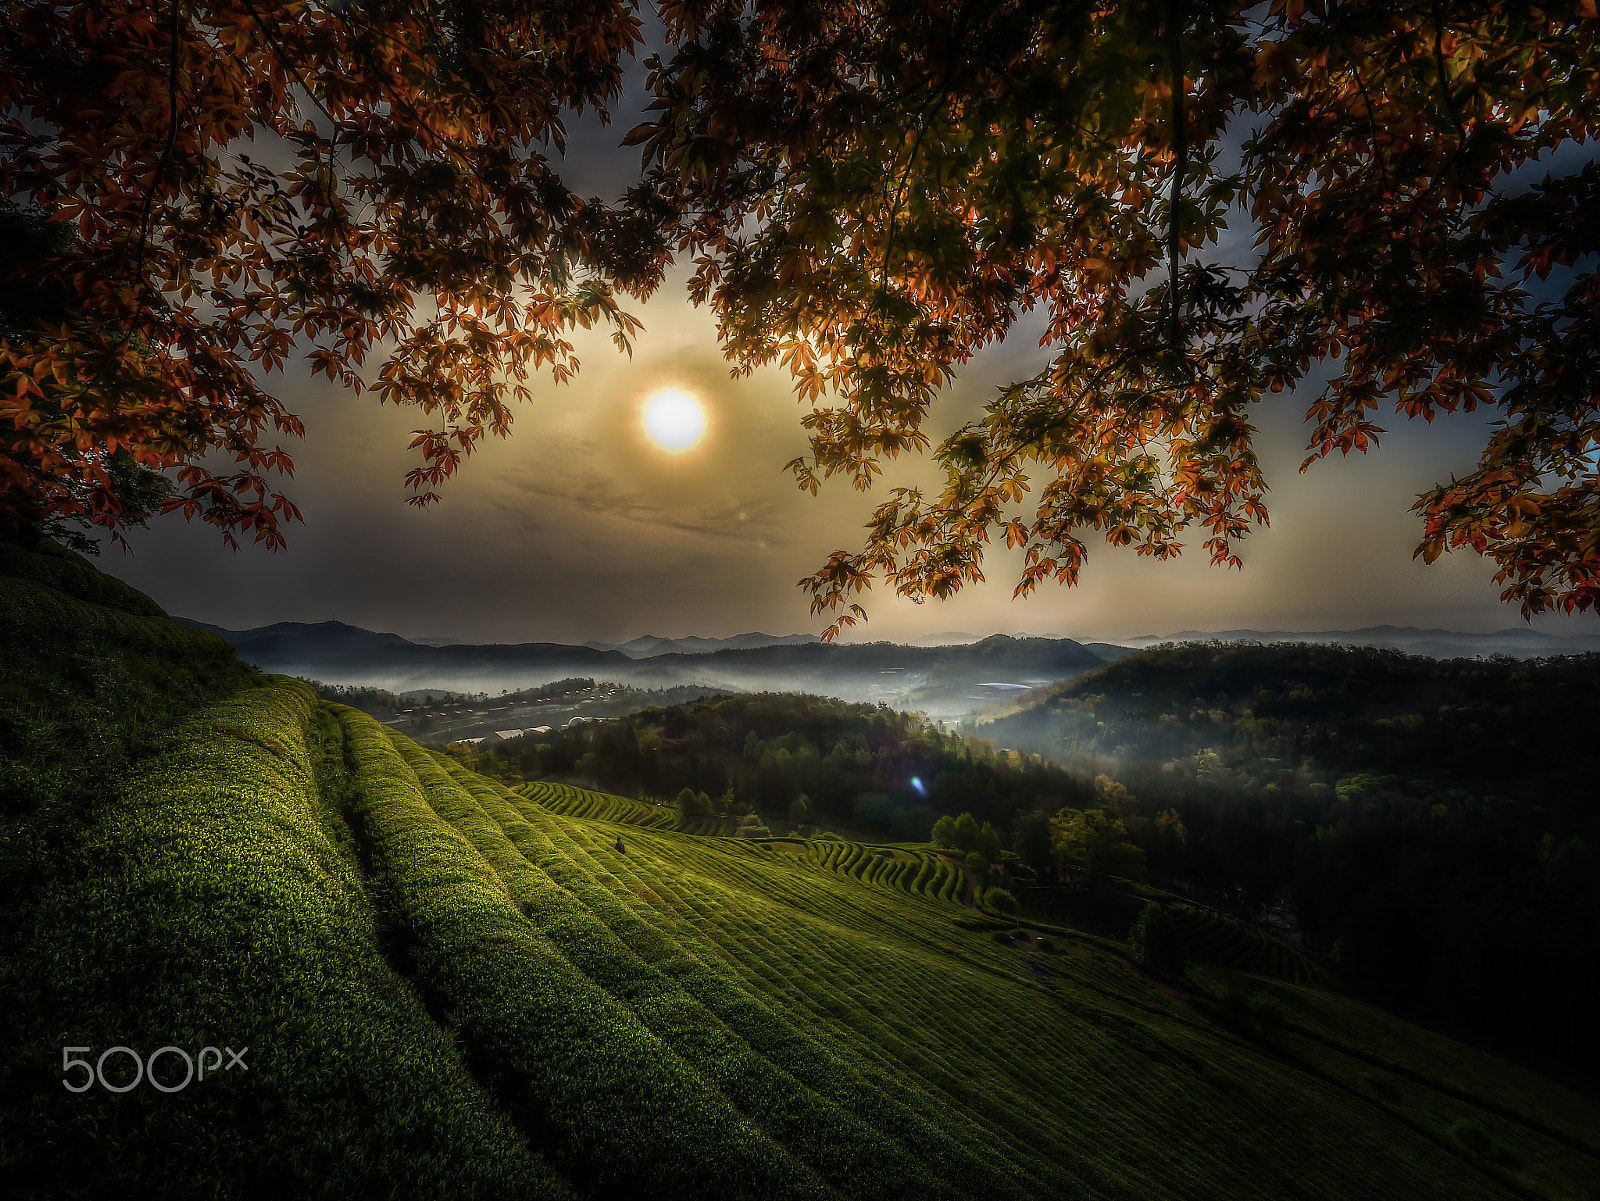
(1155, 944)
(1434, 826)
(853, 763)
(1001, 901)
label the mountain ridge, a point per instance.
(649, 645)
(942, 681)
(1435, 643)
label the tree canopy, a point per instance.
(875, 192)
(871, 193)
(1095, 840)
(238, 184)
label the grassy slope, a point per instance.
(199, 894)
(1349, 1101)
(451, 989)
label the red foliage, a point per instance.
(925, 174)
(361, 185)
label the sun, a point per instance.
(674, 420)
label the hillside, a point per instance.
(1521, 642)
(886, 774)
(1434, 825)
(450, 989)
(1497, 724)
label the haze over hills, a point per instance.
(1519, 642)
(943, 681)
(649, 645)
(948, 679)
(1434, 643)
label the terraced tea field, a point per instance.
(451, 989)
(582, 802)
(919, 871)
(1215, 938)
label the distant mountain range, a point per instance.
(649, 645)
(942, 681)
(1519, 642)
(339, 649)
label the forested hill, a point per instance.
(885, 773)
(1503, 726)
(255, 944)
(1435, 825)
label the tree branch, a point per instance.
(1180, 167)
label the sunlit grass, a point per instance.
(206, 906)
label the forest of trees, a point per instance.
(884, 773)
(1434, 825)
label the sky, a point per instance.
(579, 527)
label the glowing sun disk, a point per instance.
(674, 420)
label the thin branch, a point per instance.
(894, 209)
(1180, 167)
(166, 153)
(930, 107)
(294, 73)
(1444, 77)
(1372, 125)
(147, 209)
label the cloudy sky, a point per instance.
(579, 527)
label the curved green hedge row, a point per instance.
(622, 889)
(76, 576)
(599, 806)
(205, 906)
(580, 1072)
(601, 938)
(924, 873)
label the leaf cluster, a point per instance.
(876, 192)
(221, 187)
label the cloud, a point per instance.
(598, 500)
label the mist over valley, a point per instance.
(941, 681)
(947, 677)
